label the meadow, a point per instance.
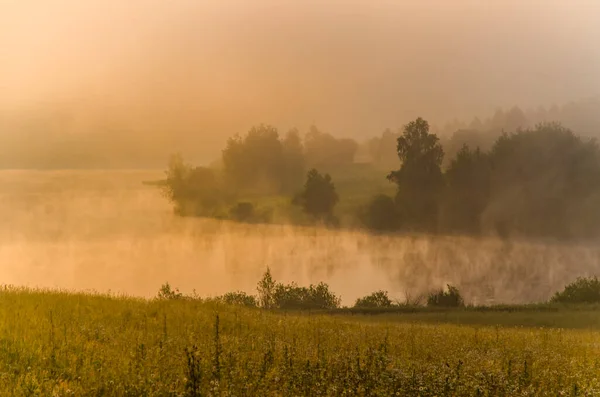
(61, 344)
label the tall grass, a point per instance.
(90, 345)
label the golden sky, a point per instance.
(351, 67)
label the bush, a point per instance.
(582, 290)
(272, 295)
(238, 298)
(376, 299)
(292, 296)
(167, 293)
(449, 298)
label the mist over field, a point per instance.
(105, 231)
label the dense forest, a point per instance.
(539, 181)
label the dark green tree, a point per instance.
(467, 192)
(419, 179)
(318, 198)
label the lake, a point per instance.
(106, 231)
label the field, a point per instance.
(101, 232)
(62, 344)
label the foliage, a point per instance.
(449, 298)
(273, 295)
(262, 162)
(419, 178)
(318, 197)
(376, 299)
(540, 180)
(193, 190)
(582, 290)
(238, 298)
(467, 191)
(382, 150)
(325, 151)
(380, 214)
(256, 161)
(168, 293)
(292, 296)
(266, 290)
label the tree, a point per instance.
(541, 180)
(324, 150)
(419, 179)
(380, 214)
(295, 164)
(318, 197)
(467, 191)
(255, 162)
(266, 290)
(193, 190)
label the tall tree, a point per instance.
(419, 179)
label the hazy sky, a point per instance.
(352, 67)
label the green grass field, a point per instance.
(59, 343)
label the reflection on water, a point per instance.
(107, 231)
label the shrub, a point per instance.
(582, 290)
(449, 298)
(272, 295)
(292, 296)
(238, 298)
(376, 299)
(167, 293)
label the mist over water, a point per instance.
(106, 231)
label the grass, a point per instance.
(59, 343)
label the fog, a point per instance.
(107, 83)
(185, 74)
(105, 231)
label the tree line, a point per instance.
(542, 181)
(537, 182)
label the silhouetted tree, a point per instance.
(467, 191)
(318, 197)
(419, 179)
